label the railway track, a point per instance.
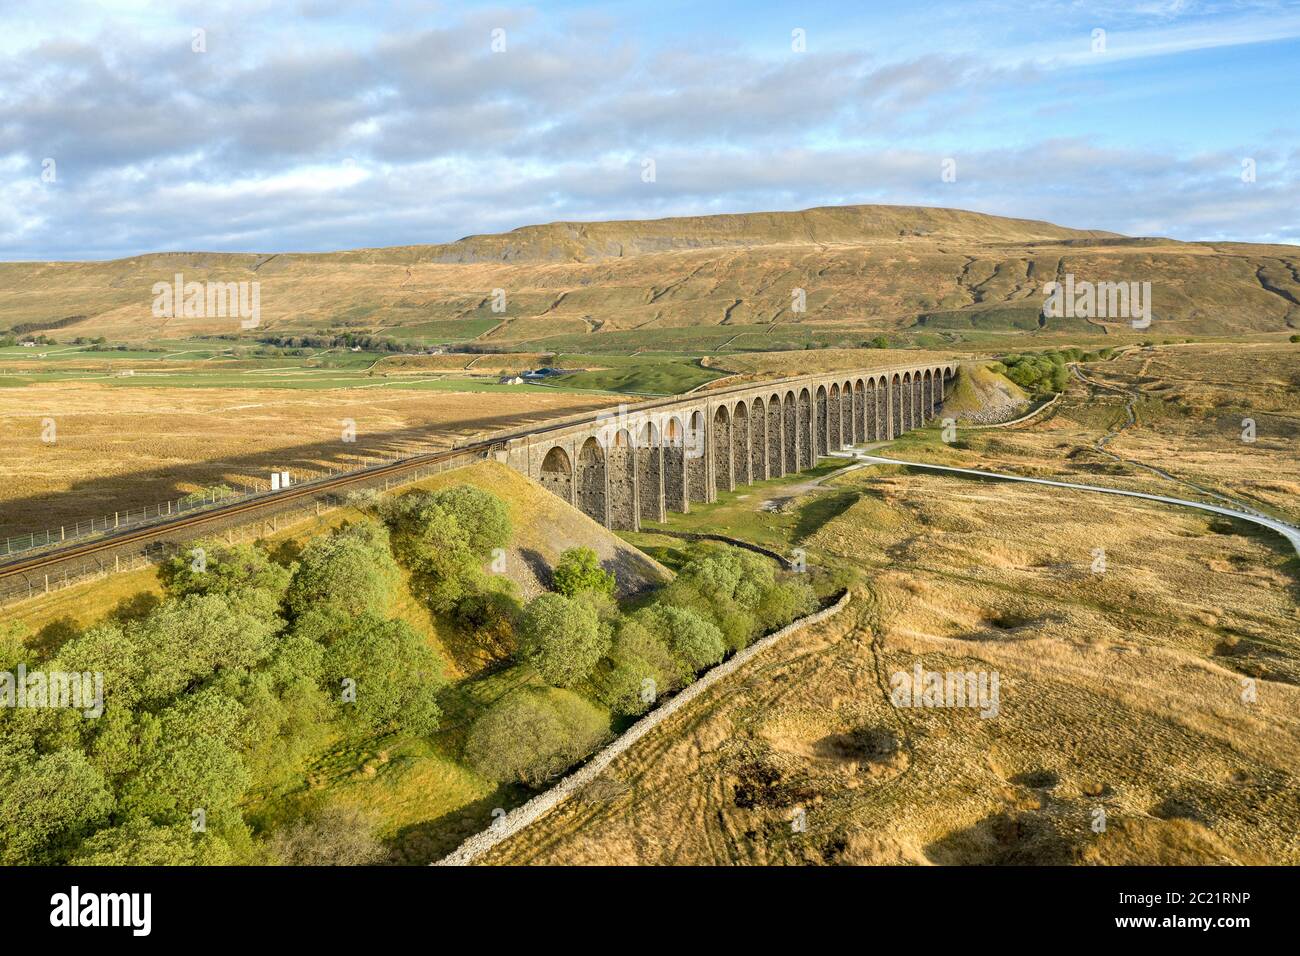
(171, 528)
(248, 507)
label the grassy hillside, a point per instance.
(979, 389)
(414, 789)
(696, 283)
(1120, 691)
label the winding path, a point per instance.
(1291, 533)
(1130, 402)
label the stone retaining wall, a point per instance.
(516, 820)
(1033, 413)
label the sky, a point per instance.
(130, 126)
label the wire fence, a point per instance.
(24, 586)
(209, 498)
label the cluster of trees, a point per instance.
(1045, 373)
(238, 674)
(368, 343)
(9, 340)
(246, 667)
(444, 538)
(599, 662)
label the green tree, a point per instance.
(286, 718)
(47, 803)
(481, 515)
(730, 587)
(637, 670)
(187, 640)
(784, 602)
(396, 675)
(579, 570)
(561, 638)
(210, 567)
(111, 650)
(141, 843)
(430, 540)
(194, 764)
(351, 571)
(694, 640)
(534, 734)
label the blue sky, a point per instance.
(318, 125)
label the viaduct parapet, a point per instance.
(639, 462)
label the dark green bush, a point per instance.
(561, 638)
(579, 570)
(534, 734)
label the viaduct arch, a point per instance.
(636, 464)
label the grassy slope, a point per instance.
(978, 387)
(697, 283)
(666, 378)
(426, 800)
(1118, 690)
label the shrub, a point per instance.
(110, 650)
(192, 760)
(335, 836)
(350, 571)
(694, 641)
(223, 570)
(481, 515)
(736, 590)
(635, 672)
(579, 570)
(785, 602)
(429, 540)
(244, 574)
(184, 642)
(561, 638)
(395, 674)
(534, 734)
(47, 803)
(141, 843)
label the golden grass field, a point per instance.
(120, 448)
(1124, 684)
(1189, 401)
(1120, 691)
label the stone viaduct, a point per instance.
(641, 461)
